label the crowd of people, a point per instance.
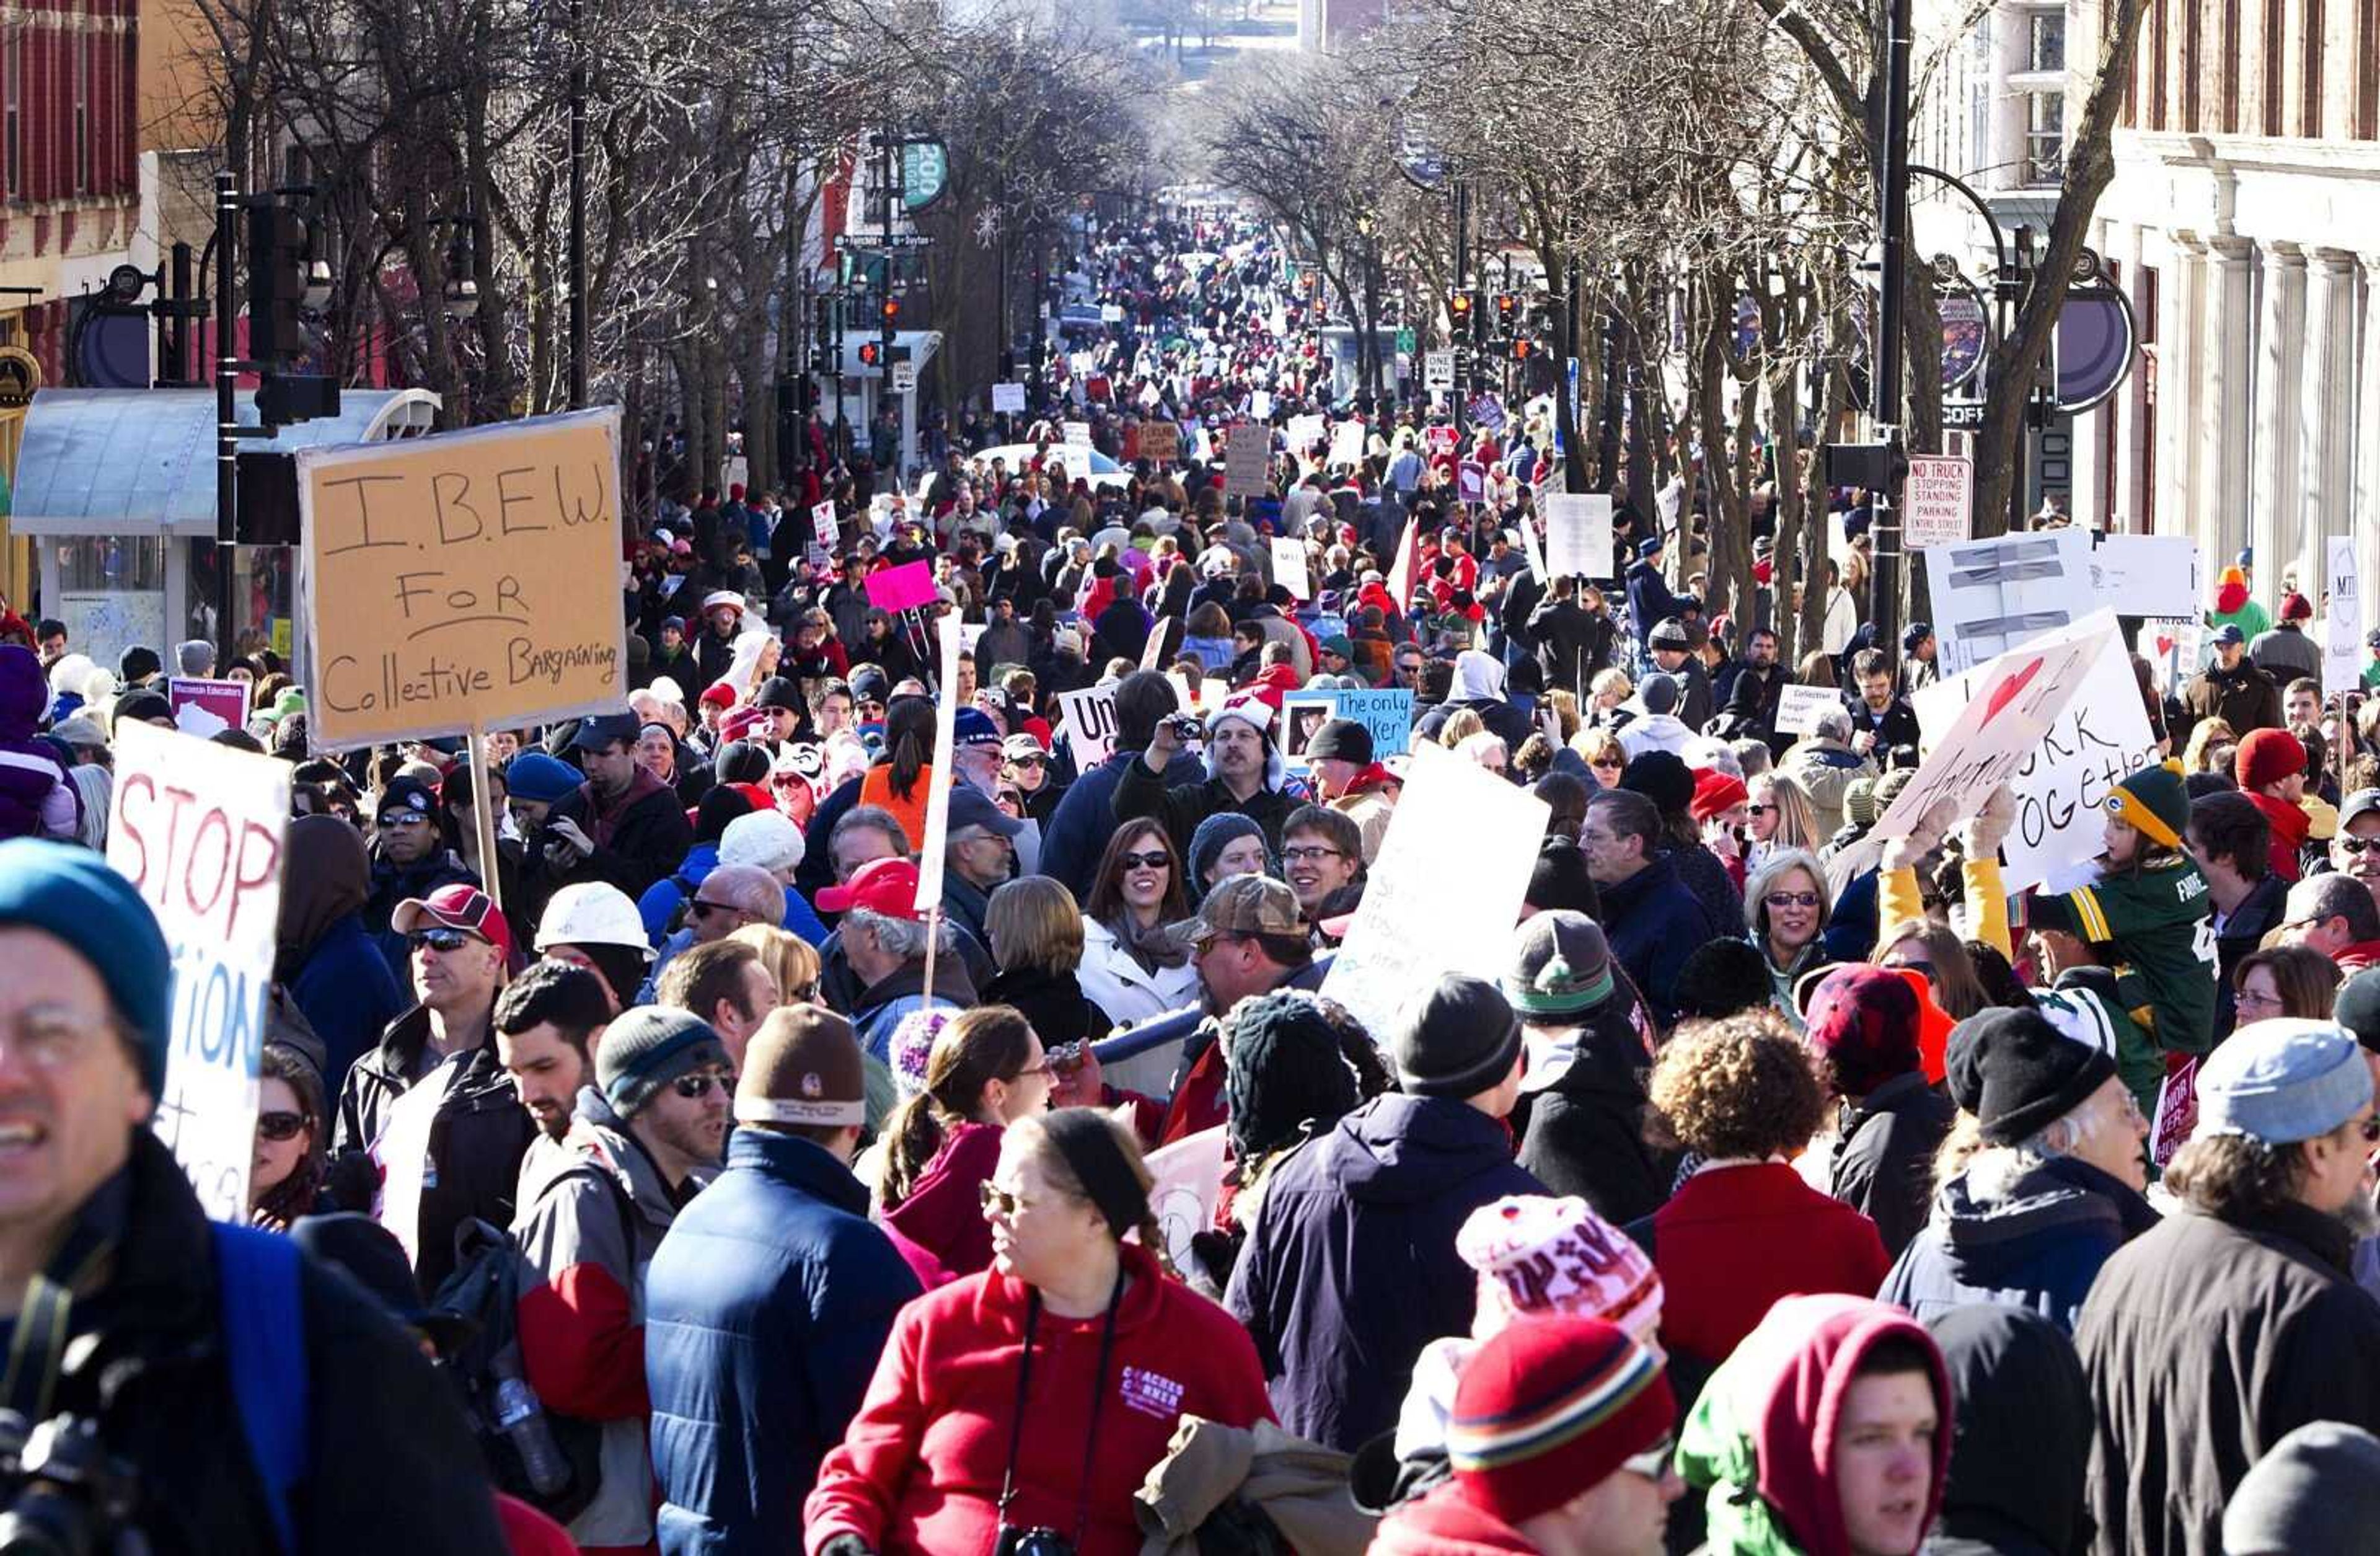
(642, 1166)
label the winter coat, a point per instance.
(348, 995)
(1585, 1132)
(1127, 991)
(36, 798)
(2023, 1444)
(392, 1466)
(1702, 872)
(943, 1211)
(661, 900)
(2243, 697)
(1572, 642)
(920, 1471)
(1895, 729)
(1655, 732)
(1369, 1208)
(641, 838)
(2206, 1342)
(475, 1140)
(1649, 600)
(1073, 840)
(1884, 1168)
(2263, 910)
(1824, 769)
(2286, 654)
(592, 1211)
(1654, 923)
(881, 1005)
(1214, 1475)
(1054, 1003)
(393, 883)
(1140, 793)
(2038, 1245)
(1504, 722)
(765, 1310)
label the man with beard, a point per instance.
(1243, 773)
(548, 1026)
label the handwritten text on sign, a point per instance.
(471, 578)
(197, 828)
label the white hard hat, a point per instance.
(591, 913)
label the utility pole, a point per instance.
(1885, 393)
(1462, 282)
(228, 431)
(577, 207)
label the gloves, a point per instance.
(846, 1545)
(1987, 828)
(1903, 853)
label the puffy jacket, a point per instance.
(920, 1472)
(1129, 992)
(36, 799)
(765, 1310)
(1885, 1166)
(2243, 697)
(592, 1211)
(475, 1140)
(1367, 1209)
(2038, 1243)
(661, 900)
(1824, 769)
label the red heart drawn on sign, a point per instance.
(2006, 692)
(2165, 647)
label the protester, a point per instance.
(2312, 1494)
(1583, 1085)
(1134, 963)
(1037, 937)
(2022, 1446)
(1863, 1029)
(1654, 922)
(987, 1069)
(293, 1130)
(885, 937)
(325, 958)
(548, 1024)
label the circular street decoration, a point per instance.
(20, 374)
(2095, 346)
(1966, 336)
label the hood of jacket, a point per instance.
(24, 694)
(1398, 1149)
(326, 875)
(1602, 1056)
(1985, 1240)
(2024, 1438)
(1760, 1438)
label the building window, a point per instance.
(2045, 41)
(2310, 100)
(2274, 22)
(2045, 137)
(2367, 73)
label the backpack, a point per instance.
(485, 1290)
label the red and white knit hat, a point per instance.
(1536, 1254)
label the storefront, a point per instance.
(117, 490)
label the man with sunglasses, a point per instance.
(431, 1107)
(2355, 847)
(2334, 914)
(408, 862)
(651, 1131)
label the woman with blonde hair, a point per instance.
(2206, 736)
(1606, 692)
(1069, 1364)
(986, 1070)
(1461, 725)
(1037, 938)
(1781, 817)
(1785, 906)
(1936, 951)
(791, 962)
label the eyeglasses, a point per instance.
(1792, 899)
(1152, 860)
(2260, 999)
(2370, 1130)
(2357, 844)
(695, 1087)
(1315, 854)
(1654, 1462)
(1000, 1203)
(280, 1126)
(403, 819)
(1612, 762)
(52, 1039)
(441, 939)
(1758, 809)
(702, 909)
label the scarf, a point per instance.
(1153, 948)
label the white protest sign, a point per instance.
(1185, 1179)
(1008, 398)
(1088, 717)
(1578, 534)
(1078, 436)
(1347, 444)
(198, 829)
(2015, 702)
(2342, 649)
(1445, 891)
(402, 1153)
(1937, 501)
(1798, 706)
(1990, 596)
(2061, 787)
(1260, 404)
(1533, 547)
(937, 799)
(827, 528)
(1289, 566)
(2147, 575)
(2172, 646)
(1304, 431)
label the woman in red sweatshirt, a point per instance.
(1039, 1393)
(986, 1071)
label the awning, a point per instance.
(143, 461)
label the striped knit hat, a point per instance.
(2153, 801)
(1549, 1408)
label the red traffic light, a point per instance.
(869, 353)
(1506, 306)
(1459, 305)
(891, 310)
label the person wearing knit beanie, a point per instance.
(1662, 778)
(1723, 977)
(650, 1047)
(1560, 969)
(1210, 843)
(1716, 793)
(2017, 1073)
(2269, 758)
(72, 895)
(1283, 1070)
(1457, 1039)
(2316, 1493)
(1560, 880)
(2153, 803)
(1863, 1026)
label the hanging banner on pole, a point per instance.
(199, 829)
(1289, 566)
(2342, 665)
(469, 577)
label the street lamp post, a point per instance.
(1885, 394)
(578, 209)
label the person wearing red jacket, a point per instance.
(593, 1210)
(2271, 766)
(1039, 1393)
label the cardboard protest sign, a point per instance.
(1186, 1177)
(938, 800)
(1798, 706)
(903, 588)
(1578, 535)
(1445, 891)
(2061, 787)
(823, 522)
(2014, 703)
(1161, 442)
(1387, 714)
(1991, 596)
(1009, 397)
(1937, 501)
(1247, 461)
(2147, 575)
(1079, 440)
(1087, 719)
(2342, 656)
(206, 708)
(199, 829)
(1289, 566)
(467, 578)
(1304, 431)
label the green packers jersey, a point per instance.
(2155, 928)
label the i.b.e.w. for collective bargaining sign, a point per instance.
(470, 578)
(199, 829)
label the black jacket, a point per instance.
(1584, 1134)
(1895, 729)
(2258, 915)
(1053, 1003)
(648, 842)
(2039, 1245)
(1885, 1167)
(2206, 1342)
(394, 1469)
(477, 1141)
(1572, 642)
(1141, 793)
(2023, 1442)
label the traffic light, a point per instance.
(892, 315)
(870, 354)
(1458, 308)
(822, 327)
(276, 282)
(1523, 349)
(1507, 311)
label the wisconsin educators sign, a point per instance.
(470, 578)
(199, 828)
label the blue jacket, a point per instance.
(2039, 1245)
(661, 900)
(1367, 1212)
(1649, 600)
(1078, 832)
(1654, 923)
(347, 995)
(766, 1307)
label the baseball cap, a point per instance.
(406, 797)
(604, 729)
(972, 808)
(1022, 747)
(460, 906)
(1242, 905)
(884, 886)
(2362, 803)
(974, 727)
(591, 913)
(2230, 633)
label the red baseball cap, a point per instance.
(458, 906)
(885, 886)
